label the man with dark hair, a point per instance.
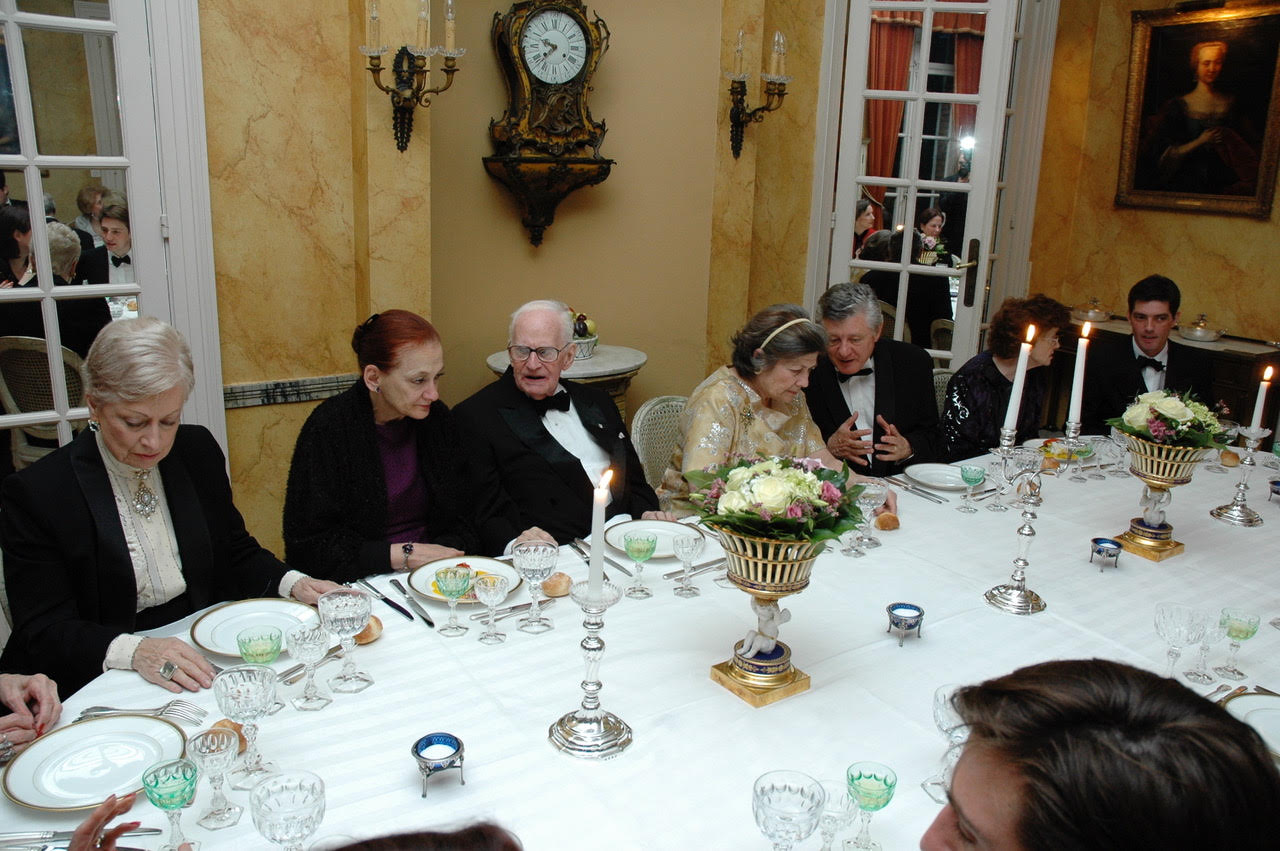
(871, 398)
(111, 262)
(1119, 370)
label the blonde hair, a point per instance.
(134, 359)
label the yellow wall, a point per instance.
(1084, 245)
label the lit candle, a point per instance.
(737, 56)
(374, 33)
(1262, 397)
(595, 568)
(1019, 379)
(450, 25)
(424, 25)
(1077, 381)
(778, 62)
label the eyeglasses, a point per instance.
(546, 354)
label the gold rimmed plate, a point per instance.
(215, 631)
(423, 579)
(1262, 713)
(666, 530)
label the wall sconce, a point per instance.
(412, 75)
(775, 89)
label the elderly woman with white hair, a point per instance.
(129, 527)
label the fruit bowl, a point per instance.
(586, 346)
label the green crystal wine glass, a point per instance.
(170, 786)
(453, 582)
(1240, 626)
(871, 784)
(640, 547)
(972, 475)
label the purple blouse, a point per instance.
(406, 491)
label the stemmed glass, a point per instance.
(1214, 632)
(1178, 626)
(287, 808)
(170, 786)
(688, 547)
(871, 497)
(1081, 449)
(1240, 626)
(535, 560)
(871, 784)
(952, 726)
(787, 806)
(308, 642)
(972, 475)
(1231, 429)
(454, 581)
(1122, 454)
(837, 814)
(213, 751)
(260, 645)
(491, 589)
(1274, 463)
(345, 612)
(244, 693)
(640, 547)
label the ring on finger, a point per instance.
(167, 670)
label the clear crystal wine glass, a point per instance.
(345, 612)
(837, 813)
(1082, 449)
(639, 547)
(1274, 463)
(1174, 624)
(244, 693)
(308, 643)
(1214, 632)
(871, 785)
(787, 806)
(872, 497)
(535, 560)
(1231, 429)
(491, 589)
(453, 581)
(213, 751)
(170, 786)
(952, 726)
(688, 547)
(1118, 468)
(1101, 447)
(972, 475)
(287, 808)
(1240, 626)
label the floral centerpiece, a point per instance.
(933, 248)
(1164, 417)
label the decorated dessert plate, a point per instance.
(216, 629)
(939, 477)
(78, 766)
(423, 579)
(1262, 713)
(666, 530)
(1055, 448)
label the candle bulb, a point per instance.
(1263, 387)
(424, 14)
(1019, 380)
(374, 33)
(1077, 381)
(450, 25)
(737, 56)
(595, 568)
(777, 61)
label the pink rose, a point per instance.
(830, 493)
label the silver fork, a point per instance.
(173, 714)
(183, 710)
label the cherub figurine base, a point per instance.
(1160, 468)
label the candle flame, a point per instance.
(1084, 332)
(1031, 333)
(1267, 373)
(604, 480)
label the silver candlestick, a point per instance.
(1014, 596)
(1005, 453)
(589, 732)
(1237, 512)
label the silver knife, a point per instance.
(581, 547)
(542, 607)
(920, 492)
(586, 557)
(694, 570)
(505, 610)
(413, 604)
(288, 674)
(368, 586)
(21, 838)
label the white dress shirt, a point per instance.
(1153, 377)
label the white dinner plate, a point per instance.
(939, 477)
(1262, 713)
(666, 530)
(216, 630)
(423, 579)
(78, 766)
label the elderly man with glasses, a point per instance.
(539, 443)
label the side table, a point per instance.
(612, 367)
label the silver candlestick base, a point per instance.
(1014, 596)
(589, 732)
(1237, 512)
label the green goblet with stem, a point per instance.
(871, 784)
(170, 786)
(453, 582)
(640, 547)
(972, 475)
(1240, 626)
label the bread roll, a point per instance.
(371, 631)
(887, 522)
(1050, 463)
(1229, 458)
(557, 584)
(228, 724)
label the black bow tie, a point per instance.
(116, 261)
(558, 401)
(1144, 362)
(845, 376)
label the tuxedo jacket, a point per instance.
(79, 319)
(904, 397)
(94, 266)
(524, 477)
(1112, 378)
(66, 564)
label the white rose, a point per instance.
(737, 478)
(773, 494)
(732, 502)
(1136, 416)
(1151, 397)
(1174, 409)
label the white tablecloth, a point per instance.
(686, 780)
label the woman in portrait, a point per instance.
(129, 527)
(377, 481)
(978, 394)
(1200, 142)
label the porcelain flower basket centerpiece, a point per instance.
(1168, 435)
(773, 516)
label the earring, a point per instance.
(377, 389)
(94, 427)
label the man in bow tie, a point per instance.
(540, 443)
(872, 399)
(111, 263)
(1119, 370)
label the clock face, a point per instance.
(554, 46)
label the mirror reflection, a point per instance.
(73, 99)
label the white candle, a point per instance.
(1263, 387)
(374, 33)
(777, 63)
(737, 56)
(1019, 379)
(595, 568)
(450, 25)
(424, 25)
(1077, 381)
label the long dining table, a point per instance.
(685, 782)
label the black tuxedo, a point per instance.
(524, 477)
(79, 320)
(66, 564)
(95, 266)
(1112, 378)
(904, 397)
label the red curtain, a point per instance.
(969, 31)
(892, 40)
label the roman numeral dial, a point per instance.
(554, 46)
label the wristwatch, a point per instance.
(407, 549)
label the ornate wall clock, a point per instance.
(546, 144)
